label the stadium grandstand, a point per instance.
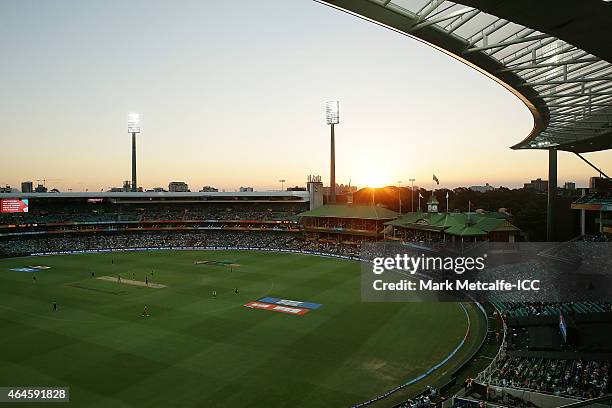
(86, 216)
(346, 223)
(453, 227)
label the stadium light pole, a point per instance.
(411, 194)
(133, 122)
(332, 116)
(399, 196)
(282, 181)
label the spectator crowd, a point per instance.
(170, 239)
(570, 378)
(96, 213)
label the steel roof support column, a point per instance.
(552, 195)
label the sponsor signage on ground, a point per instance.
(293, 303)
(35, 268)
(277, 308)
(24, 269)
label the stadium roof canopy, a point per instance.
(555, 55)
(363, 212)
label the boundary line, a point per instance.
(426, 373)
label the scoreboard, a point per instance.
(14, 205)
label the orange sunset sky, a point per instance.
(232, 94)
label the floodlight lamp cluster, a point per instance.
(332, 112)
(133, 122)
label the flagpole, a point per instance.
(447, 210)
(412, 195)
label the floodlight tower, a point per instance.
(411, 194)
(133, 122)
(332, 115)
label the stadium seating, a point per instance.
(215, 238)
(153, 212)
(571, 378)
(551, 308)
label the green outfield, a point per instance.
(198, 350)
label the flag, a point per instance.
(420, 196)
(436, 179)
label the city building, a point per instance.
(40, 189)
(209, 189)
(538, 185)
(569, 185)
(27, 187)
(246, 189)
(600, 184)
(178, 187)
(482, 189)
(8, 189)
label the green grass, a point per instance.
(195, 350)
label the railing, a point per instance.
(485, 376)
(469, 402)
(605, 401)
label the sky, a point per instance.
(232, 94)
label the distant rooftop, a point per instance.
(363, 212)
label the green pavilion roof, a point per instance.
(461, 224)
